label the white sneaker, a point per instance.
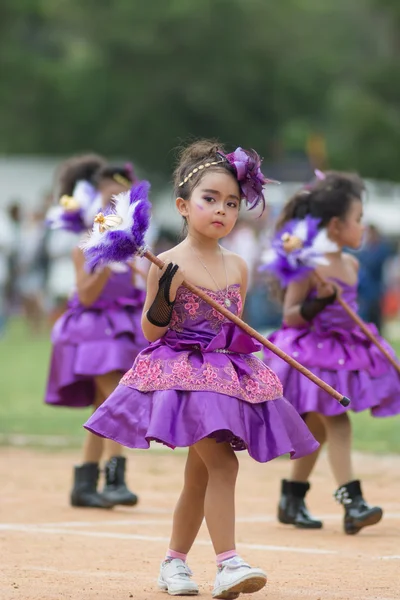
(175, 578)
(235, 577)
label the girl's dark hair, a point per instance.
(198, 153)
(327, 198)
(76, 168)
(113, 171)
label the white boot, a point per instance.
(235, 577)
(175, 578)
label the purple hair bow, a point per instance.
(131, 171)
(249, 175)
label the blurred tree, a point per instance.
(126, 77)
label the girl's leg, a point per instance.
(175, 575)
(209, 489)
(115, 489)
(292, 509)
(212, 478)
(303, 467)
(357, 513)
(219, 502)
(106, 384)
(92, 448)
(234, 576)
(93, 445)
(189, 511)
(86, 475)
(339, 439)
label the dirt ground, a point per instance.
(50, 551)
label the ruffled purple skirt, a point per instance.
(346, 360)
(90, 343)
(182, 418)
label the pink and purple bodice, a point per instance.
(204, 351)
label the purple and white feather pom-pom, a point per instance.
(58, 218)
(75, 213)
(297, 249)
(119, 234)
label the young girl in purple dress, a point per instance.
(99, 335)
(321, 336)
(198, 385)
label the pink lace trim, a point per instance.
(148, 375)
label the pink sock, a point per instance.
(225, 556)
(173, 554)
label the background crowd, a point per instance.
(37, 276)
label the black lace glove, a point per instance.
(160, 312)
(313, 306)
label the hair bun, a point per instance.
(198, 151)
(190, 157)
(77, 168)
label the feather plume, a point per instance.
(75, 213)
(297, 249)
(119, 234)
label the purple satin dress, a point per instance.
(90, 341)
(334, 348)
(202, 380)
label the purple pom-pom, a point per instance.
(121, 233)
(72, 220)
(293, 265)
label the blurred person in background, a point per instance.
(31, 269)
(372, 256)
(6, 247)
(14, 214)
(247, 240)
(261, 310)
(61, 273)
(243, 240)
(391, 300)
(98, 337)
(166, 240)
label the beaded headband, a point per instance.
(122, 180)
(200, 168)
(247, 166)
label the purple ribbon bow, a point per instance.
(249, 175)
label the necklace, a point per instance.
(227, 302)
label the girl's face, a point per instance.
(348, 231)
(109, 188)
(214, 205)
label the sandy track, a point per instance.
(50, 551)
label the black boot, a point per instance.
(115, 489)
(357, 513)
(292, 509)
(84, 492)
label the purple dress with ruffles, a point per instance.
(202, 380)
(335, 349)
(89, 341)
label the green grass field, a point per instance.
(23, 371)
(24, 362)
